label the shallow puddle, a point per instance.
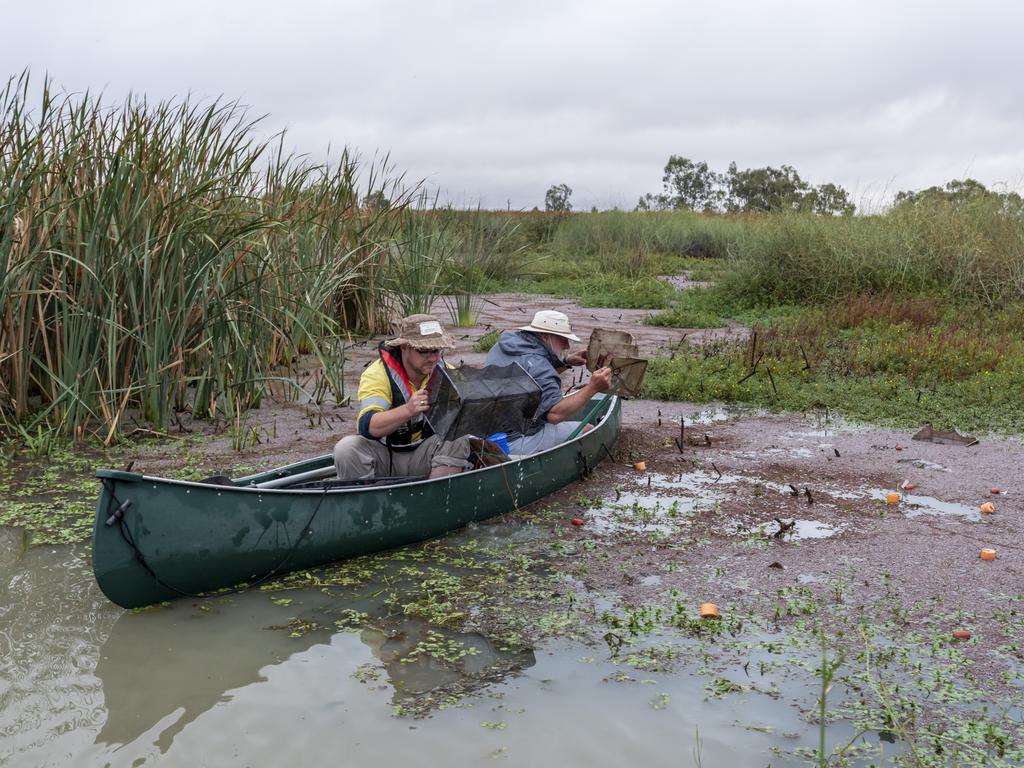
(798, 530)
(657, 503)
(923, 464)
(708, 416)
(912, 505)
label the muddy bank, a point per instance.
(795, 500)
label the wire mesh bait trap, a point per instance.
(481, 401)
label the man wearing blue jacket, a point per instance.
(542, 348)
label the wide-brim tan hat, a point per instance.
(551, 321)
(421, 332)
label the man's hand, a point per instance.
(577, 358)
(420, 403)
(570, 405)
(601, 379)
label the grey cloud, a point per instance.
(498, 101)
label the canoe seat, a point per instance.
(218, 480)
(322, 485)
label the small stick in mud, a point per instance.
(772, 380)
(753, 368)
(659, 417)
(836, 450)
(783, 529)
(716, 470)
(807, 363)
(807, 493)
(680, 441)
(793, 489)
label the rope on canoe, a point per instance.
(126, 534)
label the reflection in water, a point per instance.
(168, 666)
(420, 660)
(184, 660)
(84, 683)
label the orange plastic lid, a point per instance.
(893, 498)
(708, 611)
(988, 554)
(640, 466)
(988, 508)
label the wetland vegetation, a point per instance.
(160, 259)
(156, 258)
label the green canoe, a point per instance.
(157, 539)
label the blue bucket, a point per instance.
(501, 440)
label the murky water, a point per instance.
(215, 683)
(272, 678)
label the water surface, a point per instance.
(224, 682)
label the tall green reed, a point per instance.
(616, 237)
(159, 256)
(420, 256)
(486, 252)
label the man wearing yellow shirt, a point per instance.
(394, 439)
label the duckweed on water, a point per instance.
(938, 701)
(53, 497)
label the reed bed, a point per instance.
(972, 252)
(157, 257)
(619, 234)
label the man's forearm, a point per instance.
(383, 423)
(572, 404)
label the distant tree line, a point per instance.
(694, 186)
(963, 192)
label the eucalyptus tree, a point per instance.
(557, 198)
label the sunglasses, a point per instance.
(433, 351)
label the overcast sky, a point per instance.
(492, 103)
